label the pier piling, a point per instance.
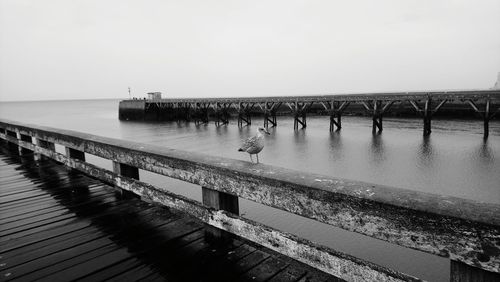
(270, 114)
(221, 114)
(486, 115)
(335, 109)
(244, 114)
(427, 112)
(201, 114)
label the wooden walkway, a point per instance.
(60, 225)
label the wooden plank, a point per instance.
(289, 274)
(55, 263)
(264, 271)
(29, 249)
(34, 238)
(44, 208)
(35, 227)
(54, 247)
(227, 262)
(34, 221)
(250, 261)
(139, 273)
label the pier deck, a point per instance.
(465, 231)
(59, 225)
(479, 103)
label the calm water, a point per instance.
(454, 160)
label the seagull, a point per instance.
(254, 144)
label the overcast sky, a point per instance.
(97, 49)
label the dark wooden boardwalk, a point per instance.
(60, 225)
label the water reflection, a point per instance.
(221, 130)
(484, 155)
(336, 151)
(300, 139)
(426, 153)
(377, 149)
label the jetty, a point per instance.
(485, 104)
(64, 218)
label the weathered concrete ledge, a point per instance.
(460, 229)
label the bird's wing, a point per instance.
(248, 143)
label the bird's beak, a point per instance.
(267, 132)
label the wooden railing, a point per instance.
(465, 231)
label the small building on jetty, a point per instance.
(483, 104)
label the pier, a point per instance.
(484, 104)
(60, 225)
(466, 232)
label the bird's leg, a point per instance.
(257, 158)
(251, 158)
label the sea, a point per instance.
(454, 160)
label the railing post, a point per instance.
(219, 201)
(45, 144)
(127, 171)
(25, 138)
(12, 134)
(461, 272)
(75, 154)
